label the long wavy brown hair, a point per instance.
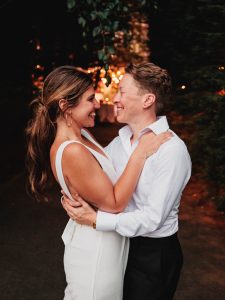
(65, 82)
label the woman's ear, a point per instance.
(149, 100)
(63, 104)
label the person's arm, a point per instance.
(85, 176)
(171, 175)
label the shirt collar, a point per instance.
(159, 126)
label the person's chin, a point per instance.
(89, 123)
(120, 119)
(92, 123)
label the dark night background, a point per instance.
(22, 23)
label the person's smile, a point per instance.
(118, 108)
(92, 115)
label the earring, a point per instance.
(69, 119)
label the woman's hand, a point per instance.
(79, 210)
(75, 202)
(150, 142)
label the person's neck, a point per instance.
(68, 133)
(139, 125)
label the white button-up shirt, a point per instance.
(153, 209)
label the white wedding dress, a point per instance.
(94, 261)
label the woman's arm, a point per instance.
(84, 175)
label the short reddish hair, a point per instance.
(153, 79)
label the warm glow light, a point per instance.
(104, 94)
(99, 97)
(221, 92)
(221, 68)
(183, 87)
(108, 92)
(38, 45)
(39, 67)
(38, 82)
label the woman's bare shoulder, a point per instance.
(76, 149)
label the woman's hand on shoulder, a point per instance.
(150, 142)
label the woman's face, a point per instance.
(84, 113)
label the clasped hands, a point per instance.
(79, 210)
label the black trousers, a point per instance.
(153, 268)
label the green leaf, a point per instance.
(96, 31)
(93, 15)
(106, 67)
(111, 49)
(102, 56)
(110, 6)
(81, 21)
(106, 28)
(115, 25)
(71, 4)
(116, 2)
(109, 80)
(103, 15)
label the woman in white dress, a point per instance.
(94, 261)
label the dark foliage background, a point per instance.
(189, 40)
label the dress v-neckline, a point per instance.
(91, 139)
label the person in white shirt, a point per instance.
(151, 218)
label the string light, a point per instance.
(37, 76)
(38, 46)
(39, 67)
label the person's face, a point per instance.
(127, 101)
(84, 113)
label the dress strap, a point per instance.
(58, 166)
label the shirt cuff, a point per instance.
(106, 221)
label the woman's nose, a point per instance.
(97, 104)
